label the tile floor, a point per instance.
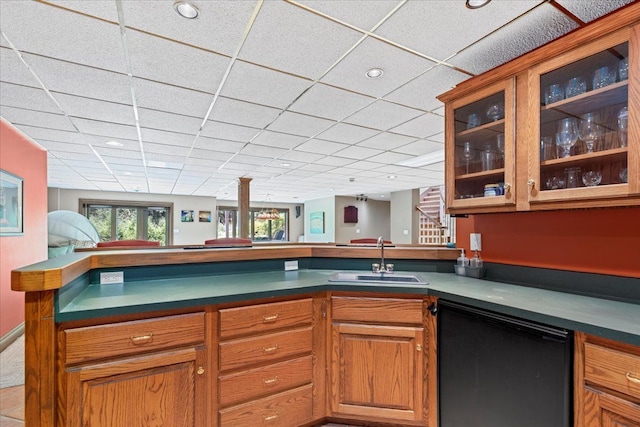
(12, 406)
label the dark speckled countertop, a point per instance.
(611, 319)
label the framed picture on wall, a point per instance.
(11, 204)
(204, 216)
(187, 216)
(316, 222)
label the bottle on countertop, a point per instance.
(476, 261)
(463, 261)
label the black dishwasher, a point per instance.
(500, 371)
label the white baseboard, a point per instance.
(7, 339)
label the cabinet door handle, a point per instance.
(270, 417)
(270, 381)
(200, 370)
(142, 339)
(270, 349)
(270, 319)
(507, 187)
(418, 347)
(532, 184)
(632, 378)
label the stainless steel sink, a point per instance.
(366, 277)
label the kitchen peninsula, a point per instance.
(226, 337)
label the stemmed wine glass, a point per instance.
(467, 154)
(566, 136)
(590, 130)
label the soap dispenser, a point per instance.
(476, 261)
(463, 261)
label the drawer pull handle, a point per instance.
(270, 417)
(270, 381)
(270, 349)
(633, 378)
(200, 370)
(270, 319)
(142, 339)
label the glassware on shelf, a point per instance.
(495, 111)
(623, 174)
(547, 149)
(473, 121)
(572, 177)
(567, 136)
(555, 183)
(623, 69)
(590, 129)
(488, 158)
(576, 86)
(623, 126)
(604, 76)
(500, 147)
(467, 154)
(553, 93)
(591, 178)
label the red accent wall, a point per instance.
(21, 156)
(603, 241)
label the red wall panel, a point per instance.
(21, 156)
(603, 241)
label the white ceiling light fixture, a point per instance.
(114, 143)
(375, 73)
(424, 160)
(476, 4)
(186, 9)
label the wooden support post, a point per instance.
(244, 185)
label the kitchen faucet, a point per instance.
(381, 246)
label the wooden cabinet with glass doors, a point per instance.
(586, 148)
(480, 153)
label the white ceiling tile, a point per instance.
(172, 99)
(228, 131)
(219, 145)
(164, 137)
(399, 67)
(422, 126)
(166, 61)
(439, 137)
(118, 152)
(320, 146)
(329, 102)
(289, 38)
(37, 133)
(263, 151)
(97, 140)
(348, 134)
(76, 79)
(383, 115)
(14, 71)
(299, 124)
(356, 167)
(168, 121)
(19, 116)
(440, 28)
(334, 161)
(173, 150)
(358, 153)
(113, 130)
(363, 14)
(64, 146)
(76, 106)
(27, 97)
(70, 155)
(419, 147)
(219, 26)
(386, 141)
(119, 160)
(534, 29)
(314, 167)
(101, 9)
(279, 140)
(421, 92)
(300, 156)
(250, 160)
(218, 156)
(261, 85)
(36, 27)
(588, 10)
(243, 113)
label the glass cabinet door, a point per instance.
(583, 124)
(480, 153)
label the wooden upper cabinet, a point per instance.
(480, 154)
(571, 125)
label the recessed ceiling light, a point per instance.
(476, 4)
(374, 73)
(391, 177)
(382, 196)
(114, 143)
(286, 165)
(186, 9)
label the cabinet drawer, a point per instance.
(263, 381)
(291, 408)
(377, 310)
(264, 317)
(613, 369)
(126, 338)
(243, 352)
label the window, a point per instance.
(260, 230)
(124, 220)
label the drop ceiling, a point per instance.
(274, 90)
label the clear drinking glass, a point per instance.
(623, 69)
(566, 136)
(576, 86)
(495, 111)
(554, 93)
(488, 158)
(547, 150)
(572, 177)
(604, 76)
(473, 121)
(467, 154)
(623, 126)
(590, 129)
